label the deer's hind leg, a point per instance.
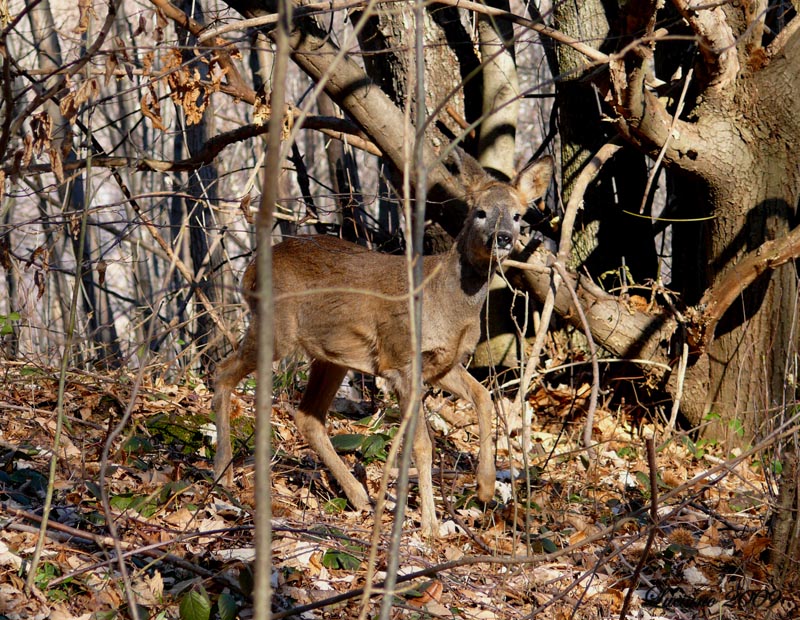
(310, 416)
(229, 373)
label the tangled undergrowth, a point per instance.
(570, 535)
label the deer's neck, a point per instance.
(466, 283)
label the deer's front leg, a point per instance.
(422, 450)
(423, 459)
(463, 385)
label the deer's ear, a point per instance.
(534, 179)
(466, 168)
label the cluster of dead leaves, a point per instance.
(561, 542)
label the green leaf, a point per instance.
(46, 573)
(176, 487)
(195, 605)
(138, 444)
(643, 479)
(418, 590)
(122, 501)
(139, 503)
(335, 506)
(93, 489)
(548, 545)
(627, 453)
(347, 442)
(374, 447)
(226, 607)
(340, 560)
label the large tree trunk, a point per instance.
(750, 187)
(737, 148)
(610, 237)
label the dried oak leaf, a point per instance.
(111, 66)
(85, 13)
(151, 110)
(56, 164)
(41, 126)
(72, 102)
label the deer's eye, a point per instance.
(517, 217)
(480, 214)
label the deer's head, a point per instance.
(496, 208)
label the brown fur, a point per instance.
(359, 319)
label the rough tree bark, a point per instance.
(610, 237)
(736, 146)
(747, 183)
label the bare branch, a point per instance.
(776, 47)
(337, 128)
(717, 43)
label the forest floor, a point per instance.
(569, 536)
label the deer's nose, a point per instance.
(503, 240)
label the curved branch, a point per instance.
(336, 128)
(718, 298)
(775, 48)
(617, 327)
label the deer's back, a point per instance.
(342, 303)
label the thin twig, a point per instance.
(587, 330)
(676, 399)
(275, 155)
(663, 150)
(62, 383)
(415, 225)
(582, 182)
(634, 580)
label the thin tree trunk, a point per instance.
(200, 218)
(72, 195)
(498, 129)
(345, 183)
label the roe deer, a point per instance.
(351, 328)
